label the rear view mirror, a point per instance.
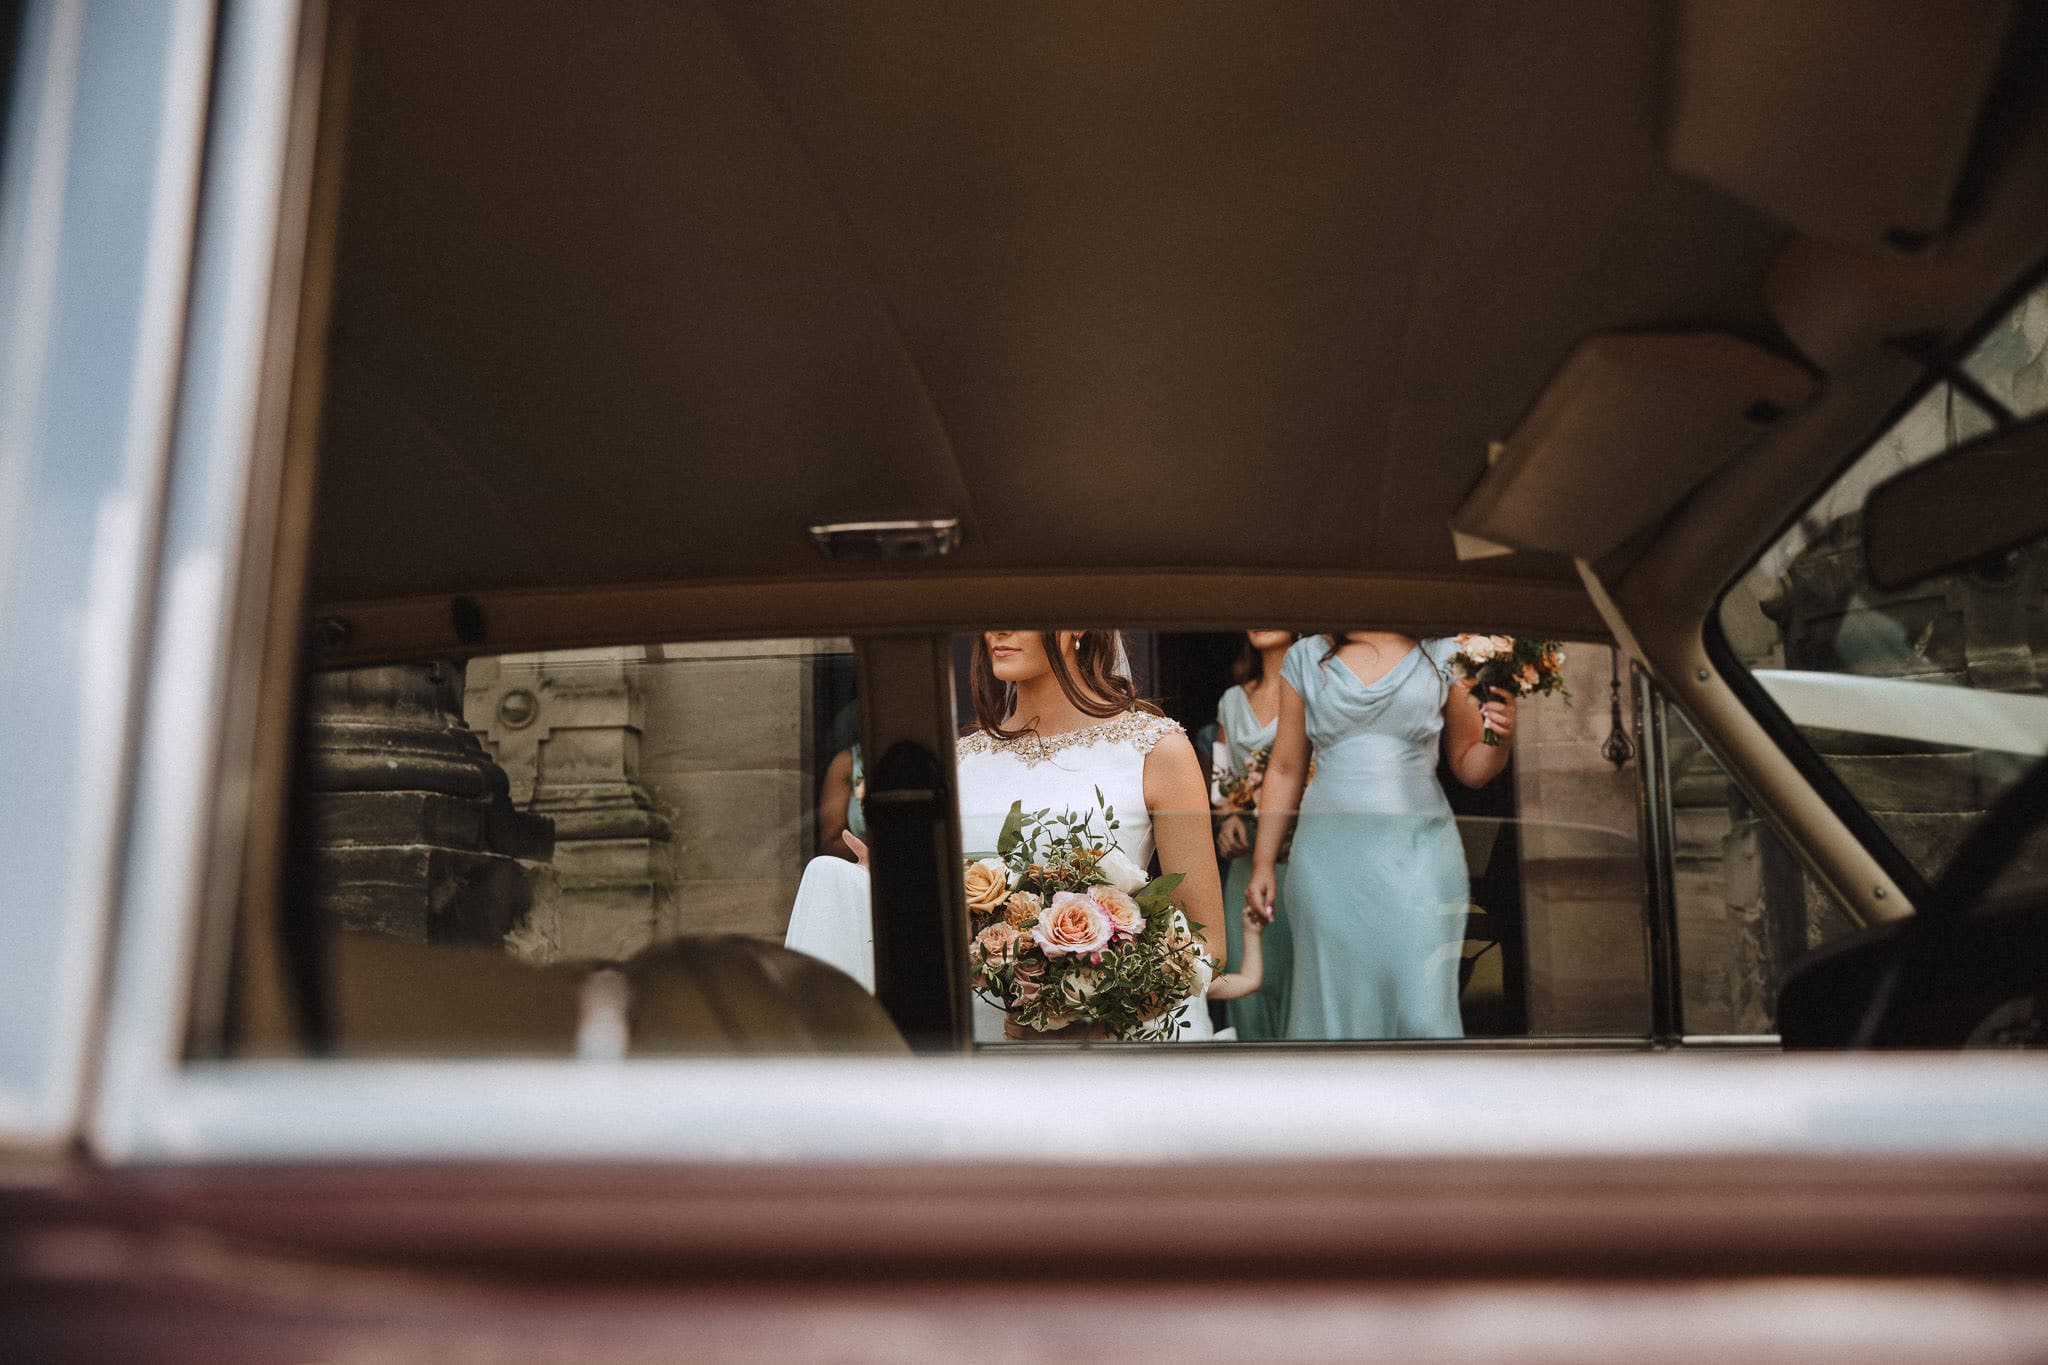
(1987, 495)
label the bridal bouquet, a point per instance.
(1067, 930)
(1239, 791)
(1511, 667)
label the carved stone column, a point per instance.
(413, 827)
(567, 726)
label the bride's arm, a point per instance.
(1179, 802)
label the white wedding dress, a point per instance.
(832, 921)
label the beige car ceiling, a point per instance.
(633, 292)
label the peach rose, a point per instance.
(1477, 648)
(1124, 915)
(1072, 924)
(988, 885)
(1528, 677)
(997, 944)
(1022, 909)
(1504, 645)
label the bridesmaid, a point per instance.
(1248, 716)
(842, 809)
(1376, 885)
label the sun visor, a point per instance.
(1633, 423)
(1848, 120)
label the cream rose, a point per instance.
(1072, 924)
(1022, 909)
(1477, 648)
(1121, 872)
(1504, 645)
(1078, 987)
(1124, 915)
(988, 885)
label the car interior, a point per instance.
(514, 520)
(676, 388)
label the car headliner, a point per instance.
(634, 293)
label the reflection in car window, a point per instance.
(1745, 908)
(1877, 679)
(494, 830)
(1424, 886)
(574, 809)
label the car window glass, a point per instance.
(1925, 701)
(488, 846)
(1412, 905)
(497, 829)
(1745, 909)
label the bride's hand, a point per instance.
(859, 847)
(1261, 892)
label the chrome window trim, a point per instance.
(1104, 1108)
(186, 814)
(97, 199)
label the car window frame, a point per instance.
(1777, 725)
(1134, 1106)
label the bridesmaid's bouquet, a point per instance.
(1511, 667)
(1069, 931)
(1239, 790)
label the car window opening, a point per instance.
(697, 816)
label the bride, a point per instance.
(1058, 720)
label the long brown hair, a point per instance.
(1098, 690)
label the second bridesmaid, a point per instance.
(1248, 717)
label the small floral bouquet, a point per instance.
(1239, 791)
(1511, 667)
(1069, 931)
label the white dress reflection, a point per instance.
(1059, 722)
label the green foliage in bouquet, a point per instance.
(1070, 934)
(1239, 790)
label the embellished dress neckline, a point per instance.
(1141, 729)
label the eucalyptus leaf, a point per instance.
(1013, 830)
(1161, 886)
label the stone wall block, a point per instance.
(411, 828)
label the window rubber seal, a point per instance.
(1826, 783)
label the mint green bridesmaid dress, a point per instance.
(1376, 886)
(1262, 1015)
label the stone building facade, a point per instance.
(680, 779)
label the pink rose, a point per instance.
(1125, 917)
(997, 944)
(1072, 924)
